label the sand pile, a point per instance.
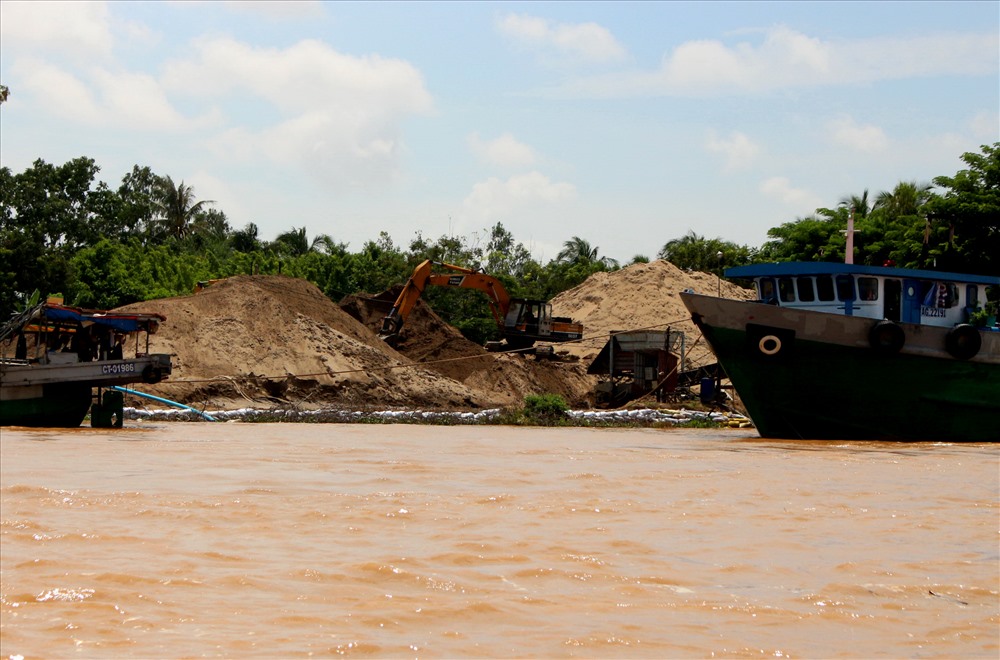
(637, 297)
(424, 337)
(504, 378)
(252, 340)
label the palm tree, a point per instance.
(324, 243)
(293, 242)
(578, 251)
(296, 243)
(693, 251)
(245, 240)
(861, 205)
(905, 199)
(176, 208)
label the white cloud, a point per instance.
(339, 114)
(59, 91)
(867, 138)
(505, 151)
(588, 42)
(73, 28)
(784, 58)
(307, 75)
(780, 188)
(738, 149)
(986, 126)
(102, 98)
(275, 9)
(498, 199)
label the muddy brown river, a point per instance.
(187, 540)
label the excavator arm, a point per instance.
(423, 277)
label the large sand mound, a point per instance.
(269, 338)
(259, 340)
(638, 297)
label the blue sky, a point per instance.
(626, 124)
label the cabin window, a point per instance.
(941, 295)
(765, 290)
(845, 288)
(824, 288)
(868, 288)
(972, 296)
(787, 289)
(805, 286)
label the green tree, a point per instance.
(503, 255)
(46, 213)
(103, 276)
(176, 208)
(906, 199)
(246, 239)
(708, 255)
(579, 252)
(378, 266)
(293, 242)
(296, 243)
(138, 206)
(970, 208)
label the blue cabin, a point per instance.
(902, 295)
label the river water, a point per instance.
(295, 540)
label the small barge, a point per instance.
(53, 357)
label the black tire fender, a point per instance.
(886, 337)
(963, 341)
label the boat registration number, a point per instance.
(932, 311)
(127, 368)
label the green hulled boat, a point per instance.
(848, 352)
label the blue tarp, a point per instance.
(120, 322)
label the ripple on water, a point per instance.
(330, 540)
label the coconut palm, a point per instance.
(905, 199)
(296, 243)
(579, 251)
(862, 207)
(176, 208)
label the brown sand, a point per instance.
(260, 341)
(638, 297)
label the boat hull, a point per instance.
(60, 395)
(809, 375)
(59, 405)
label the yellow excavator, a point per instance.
(521, 322)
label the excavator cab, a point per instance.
(528, 317)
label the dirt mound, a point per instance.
(637, 297)
(424, 337)
(271, 338)
(254, 340)
(505, 378)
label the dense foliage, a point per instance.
(63, 231)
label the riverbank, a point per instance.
(643, 417)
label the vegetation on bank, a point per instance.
(62, 230)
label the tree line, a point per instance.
(63, 231)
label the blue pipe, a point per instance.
(162, 400)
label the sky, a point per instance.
(625, 124)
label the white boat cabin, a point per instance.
(902, 295)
